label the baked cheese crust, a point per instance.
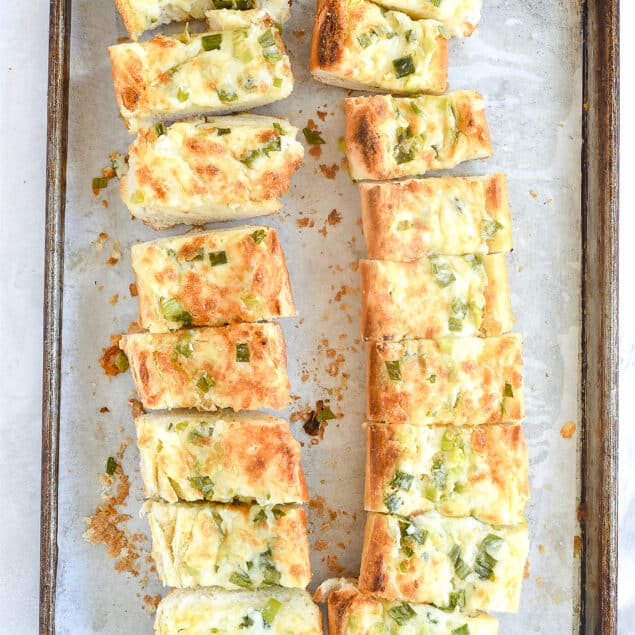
(222, 457)
(459, 381)
(353, 613)
(140, 15)
(242, 367)
(272, 611)
(448, 562)
(449, 216)
(240, 64)
(217, 277)
(460, 18)
(435, 297)
(210, 169)
(480, 472)
(357, 44)
(388, 137)
(232, 546)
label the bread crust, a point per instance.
(338, 58)
(251, 286)
(486, 471)
(435, 297)
(211, 376)
(428, 575)
(450, 216)
(458, 381)
(386, 138)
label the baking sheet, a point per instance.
(526, 59)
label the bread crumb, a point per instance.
(541, 548)
(316, 151)
(133, 290)
(322, 115)
(113, 359)
(329, 171)
(101, 239)
(115, 255)
(568, 430)
(334, 217)
(533, 193)
(114, 299)
(577, 546)
(104, 410)
(299, 34)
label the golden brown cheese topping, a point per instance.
(435, 297)
(242, 367)
(240, 63)
(226, 456)
(357, 44)
(213, 278)
(448, 216)
(210, 169)
(232, 546)
(449, 562)
(459, 381)
(480, 472)
(141, 15)
(353, 613)
(388, 137)
(271, 611)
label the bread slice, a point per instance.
(210, 169)
(218, 277)
(389, 138)
(435, 297)
(458, 381)
(357, 44)
(271, 611)
(448, 562)
(242, 367)
(479, 472)
(141, 15)
(240, 63)
(448, 215)
(351, 613)
(232, 546)
(221, 457)
(460, 18)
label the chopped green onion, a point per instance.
(484, 564)
(271, 575)
(174, 311)
(205, 382)
(241, 579)
(508, 391)
(402, 481)
(217, 258)
(206, 487)
(455, 324)
(404, 154)
(403, 225)
(226, 96)
(492, 541)
(442, 273)
(273, 145)
(277, 82)
(270, 50)
(137, 197)
(401, 613)
(182, 95)
(261, 517)
(212, 42)
(489, 228)
(250, 157)
(312, 136)
(461, 630)
(270, 611)
(279, 27)
(461, 569)
(121, 362)
(443, 32)
(432, 378)
(200, 254)
(259, 235)
(159, 129)
(242, 352)
(325, 414)
(404, 66)
(223, 131)
(393, 368)
(436, 150)
(267, 39)
(100, 183)
(459, 308)
(278, 513)
(415, 107)
(364, 40)
(409, 530)
(410, 36)
(393, 502)
(184, 346)
(198, 438)
(245, 623)
(457, 599)
(111, 466)
(245, 5)
(431, 493)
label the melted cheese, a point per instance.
(459, 17)
(416, 560)
(451, 216)
(204, 170)
(374, 48)
(242, 367)
(435, 297)
(218, 277)
(456, 471)
(168, 77)
(234, 547)
(141, 15)
(388, 137)
(459, 381)
(353, 613)
(220, 457)
(274, 611)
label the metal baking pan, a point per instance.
(537, 63)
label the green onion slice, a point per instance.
(212, 41)
(404, 66)
(393, 368)
(242, 352)
(401, 613)
(312, 137)
(217, 258)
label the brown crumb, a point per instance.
(329, 171)
(318, 420)
(299, 34)
(104, 409)
(316, 151)
(533, 193)
(114, 299)
(541, 548)
(101, 239)
(334, 217)
(134, 327)
(113, 359)
(582, 513)
(305, 222)
(122, 39)
(150, 603)
(311, 125)
(104, 203)
(320, 545)
(585, 105)
(526, 571)
(115, 255)
(577, 546)
(334, 565)
(133, 290)
(568, 430)
(137, 408)
(322, 115)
